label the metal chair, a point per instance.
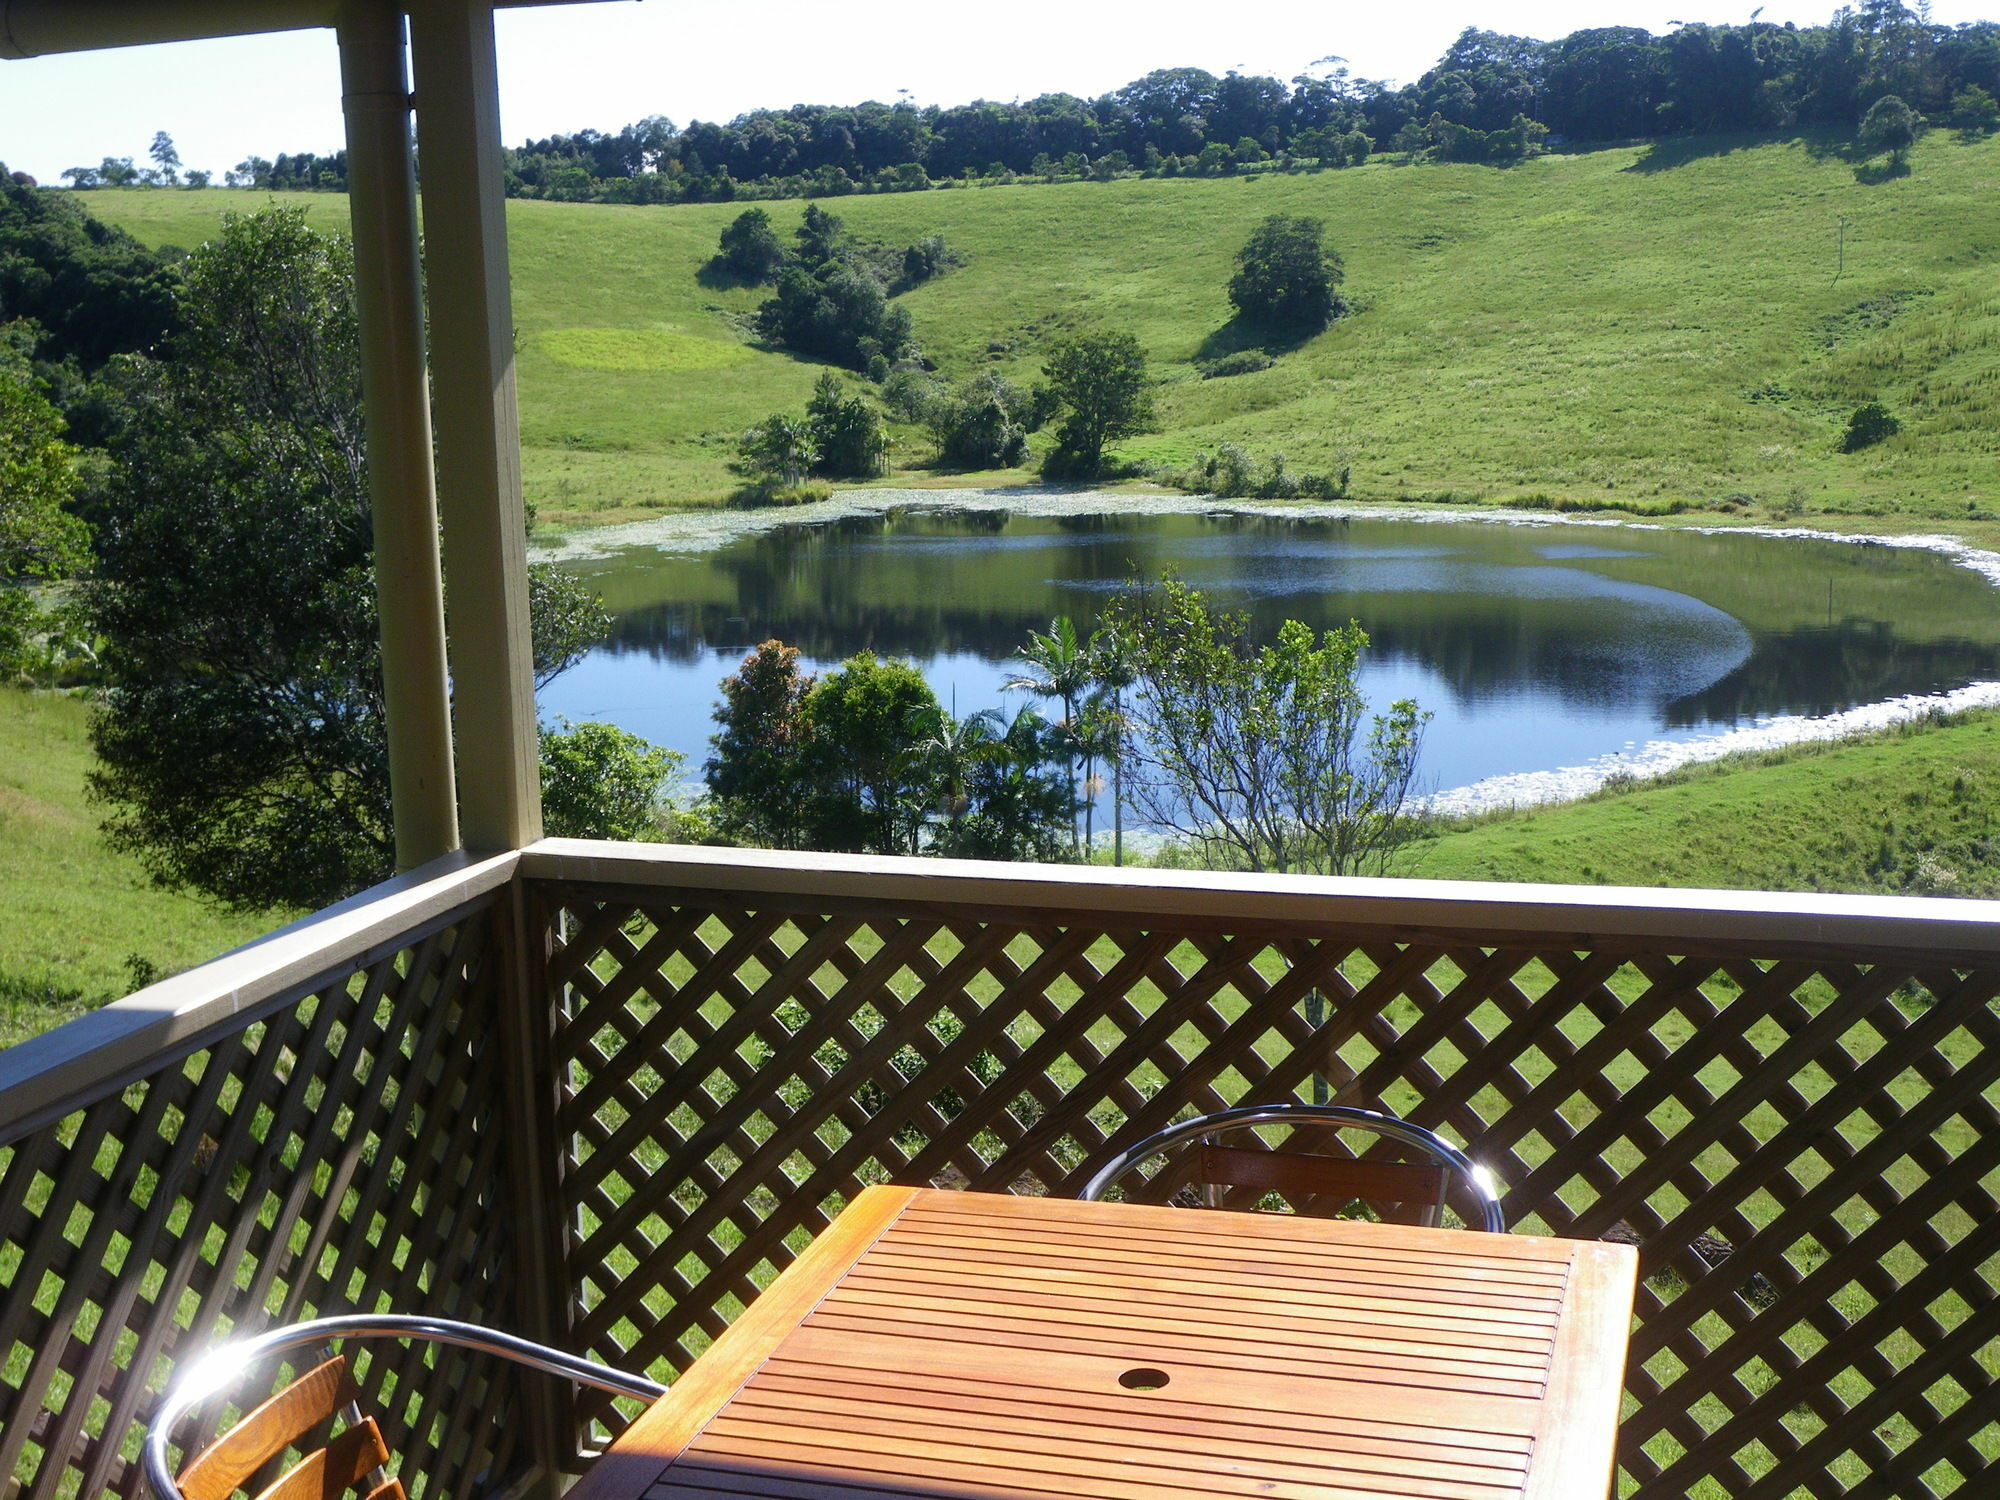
(355, 1457)
(1235, 1176)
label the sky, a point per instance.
(603, 65)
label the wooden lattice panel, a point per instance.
(336, 1153)
(1807, 1152)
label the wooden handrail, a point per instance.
(60, 1070)
(1603, 917)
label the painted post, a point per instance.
(478, 424)
(409, 586)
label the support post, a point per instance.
(526, 1025)
(409, 587)
(478, 424)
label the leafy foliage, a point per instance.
(981, 425)
(838, 311)
(85, 291)
(780, 448)
(1287, 279)
(1890, 127)
(1097, 381)
(1869, 424)
(1242, 362)
(1230, 472)
(751, 247)
(839, 437)
(928, 259)
(39, 537)
(1491, 94)
(866, 759)
(602, 782)
(242, 740)
(1259, 756)
(846, 430)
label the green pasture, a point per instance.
(1635, 326)
(1911, 811)
(79, 922)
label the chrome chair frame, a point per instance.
(224, 1365)
(1479, 1182)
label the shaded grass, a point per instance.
(79, 924)
(1572, 329)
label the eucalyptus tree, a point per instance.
(1264, 756)
(1097, 381)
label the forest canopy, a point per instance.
(1488, 92)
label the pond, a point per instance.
(1534, 646)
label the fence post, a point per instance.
(535, 1162)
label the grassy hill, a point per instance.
(1621, 327)
(1911, 811)
(79, 924)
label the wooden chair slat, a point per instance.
(221, 1468)
(330, 1472)
(1298, 1177)
(393, 1490)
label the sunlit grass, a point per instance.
(1620, 327)
(79, 924)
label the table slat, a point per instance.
(959, 1346)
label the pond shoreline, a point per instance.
(702, 531)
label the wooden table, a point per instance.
(945, 1344)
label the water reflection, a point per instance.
(1535, 649)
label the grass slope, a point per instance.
(1629, 327)
(76, 919)
(1910, 811)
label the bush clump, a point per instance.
(1242, 362)
(1232, 473)
(982, 425)
(1869, 425)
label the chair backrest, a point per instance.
(351, 1460)
(1313, 1181)
(299, 1416)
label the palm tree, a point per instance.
(955, 747)
(1111, 673)
(1059, 667)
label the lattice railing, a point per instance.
(1790, 1109)
(326, 1146)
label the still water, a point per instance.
(1533, 646)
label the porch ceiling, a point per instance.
(41, 28)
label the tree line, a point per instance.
(1492, 96)
(1256, 755)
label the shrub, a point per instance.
(751, 247)
(1870, 424)
(909, 393)
(928, 258)
(838, 312)
(846, 431)
(1242, 362)
(982, 425)
(601, 782)
(1286, 277)
(1231, 473)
